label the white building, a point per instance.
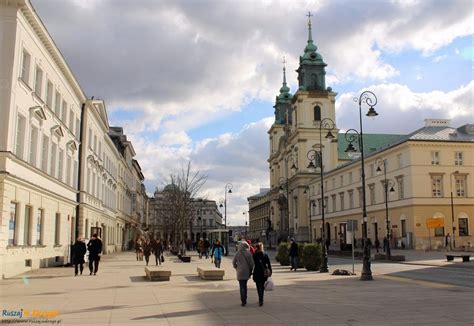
(40, 105)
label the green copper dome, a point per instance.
(285, 95)
(311, 56)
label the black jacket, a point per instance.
(78, 251)
(95, 248)
(261, 261)
(294, 249)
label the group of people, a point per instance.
(79, 249)
(145, 248)
(251, 262)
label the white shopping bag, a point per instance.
(269, 285)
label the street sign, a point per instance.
(432, 223)
(351, 225)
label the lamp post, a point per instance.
(200, 220)
(369, 98)
(284, 186)
(228, 189)
(315, 161)
(452, 206)
(387, 184)
(307, 192)
(246, 223)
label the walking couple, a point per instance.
(259, 266)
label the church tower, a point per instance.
(299, 121)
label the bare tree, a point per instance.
(177, 208)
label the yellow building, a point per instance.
(423, 168)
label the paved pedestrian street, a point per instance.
(401, 294)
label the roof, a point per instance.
(372, 142)
(262, 193)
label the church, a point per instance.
(418, 187)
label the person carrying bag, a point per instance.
(261, 272)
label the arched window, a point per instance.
(317, 113)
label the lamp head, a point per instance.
(311, 166)
(372, 113)
(350, 150)
(378, 170)
(221, 205)
(329, 136)
(230, 191)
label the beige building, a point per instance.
(59, 159)
(40, 106)
(260, 226)
(422, 169)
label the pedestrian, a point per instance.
(95, 250)
(157, 249)
(201, 248)
(447, 241)
(328, 243)
(252, 249)
(377, 244)
(294, 254)
(147, 251)
(139, 249)
(207, 245)
(243, 263)
(262, 271)
(217, 253)
(78, 251)
(385, 244)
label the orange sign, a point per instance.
(432, 223)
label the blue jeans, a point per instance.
(217, 262)
(243, 290)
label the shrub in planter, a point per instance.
(312, 256)
(300, 255)
(283, 254)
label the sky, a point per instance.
(197, 80)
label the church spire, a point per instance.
(284, 89)
(283, 100)
(310, 47)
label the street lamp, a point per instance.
(315, 161)
(245, 214)
(387, 184)
(452, 206)
(283, 187)
(370, 99)
(228, 189)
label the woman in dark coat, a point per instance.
(147, 251)
(78, 251)
(261, 263)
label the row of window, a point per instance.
(45, 153)
(460, 182)
(458, 158)
(61, 108)
(33, 226)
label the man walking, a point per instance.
(243, 264)
(95, 250)
(78, 252)
(294, 255)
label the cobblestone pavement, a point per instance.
(119, 295)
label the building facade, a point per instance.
(260, 226)
(423, 170)
(63, 172)
(40, 106)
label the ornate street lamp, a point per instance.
(316, 161)
(370, 99)
(387, 184)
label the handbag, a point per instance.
(269, 285)
(267, 272)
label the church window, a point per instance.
(317, 113)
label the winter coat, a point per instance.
(157, 248)
(217, 251)
(78, 251)
(261, 261)
(243, 262)
(95, 248)
(146, 249)
(294, 249)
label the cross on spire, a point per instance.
(309, 15)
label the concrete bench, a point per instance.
(157, 273)
(210, 273)
(465, 258)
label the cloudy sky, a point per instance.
(196, 80)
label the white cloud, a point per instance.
(402, 111)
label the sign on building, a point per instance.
(432, 223)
